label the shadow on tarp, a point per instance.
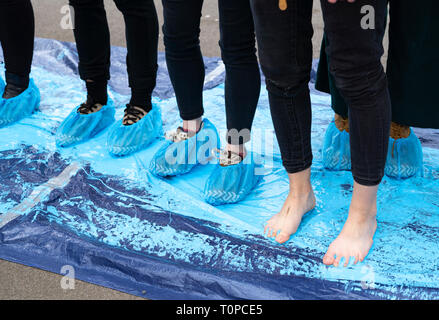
(122, 228)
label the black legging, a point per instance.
(186, 68)
(93, 43)
(17, 31)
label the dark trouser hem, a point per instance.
(295, 168)
(97, 91)
(141, 99)
(368, 182)
(191, 116)
(16, 80)
(97, 75)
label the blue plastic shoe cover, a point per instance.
(336, 149)
(231, 184)
(123, 140)
(19, 107)
(2, 85)
(175, 158)
(404, 157)
(77, 128)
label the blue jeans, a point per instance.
(181, 31)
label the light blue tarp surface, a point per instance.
(123, 228)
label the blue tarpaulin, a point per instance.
(123, 228)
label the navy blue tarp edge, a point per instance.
(28, 242)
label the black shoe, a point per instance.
(12, 91)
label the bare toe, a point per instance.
(337, 260)
(274, 232)
(347, 259)
(266, 228)
(328, 259)
(283, 237)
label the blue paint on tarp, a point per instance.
(123, 228)
(22, 170)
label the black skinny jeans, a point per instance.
(93, 43)
(285, 51)
(355, 62)
(285, 55)
(186, 68)
(17, 30)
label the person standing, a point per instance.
(19, 96)
(142, 121)
(411, 70)
(284, 32)
(181, 31)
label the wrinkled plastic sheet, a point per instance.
(123, 228)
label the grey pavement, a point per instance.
(48, 17)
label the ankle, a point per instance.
(17, 80)
(364, 221)
(192, 126)
(302, 193)
(363, 211)
(238, 149)
(141, 99)
(97, 91)
(300, 183)
(364, 200)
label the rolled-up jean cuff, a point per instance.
(191, 116)
(368, 182)
(297, 168)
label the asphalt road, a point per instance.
(21, 282)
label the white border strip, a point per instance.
(220, 69)
(39, 193)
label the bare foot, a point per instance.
(356, 237)
(300, 200)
